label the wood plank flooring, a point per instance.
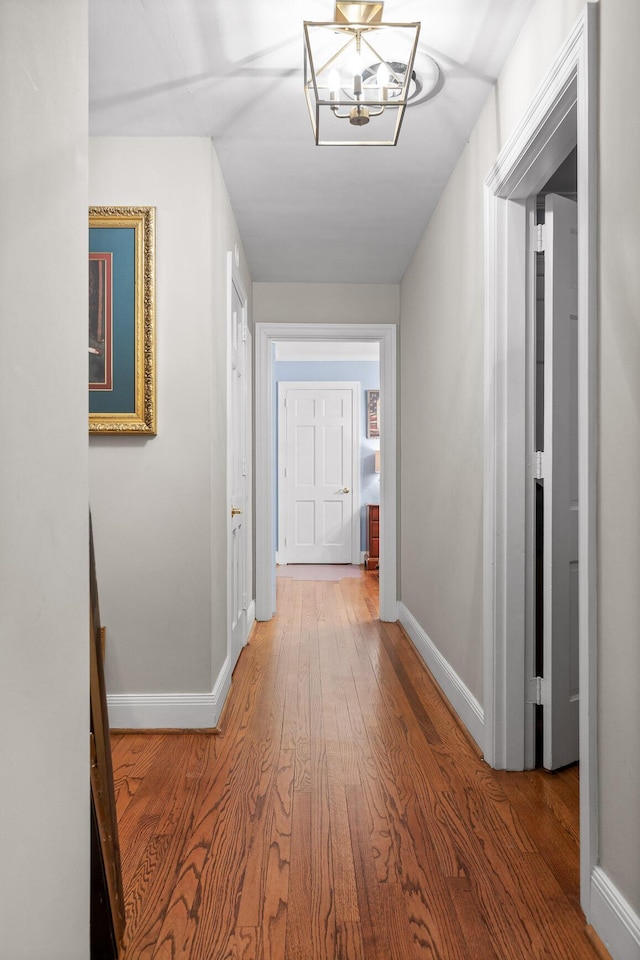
(341, 814)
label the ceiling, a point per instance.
(232, 70)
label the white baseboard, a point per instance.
(613, 919)
(174, 711)
(251, 618)
(457, 693)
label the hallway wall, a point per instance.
(442, 371)
(441, 350)
(326, 302)
(619, 447)
(159, 503)
(44, 556)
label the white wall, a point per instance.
(44, 561)
(442, 306)
(326, 302)
(441, 362)
(619, 446)
(159, 504)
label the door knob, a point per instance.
(344, 490)
(235, 511)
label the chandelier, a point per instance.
(358, 72)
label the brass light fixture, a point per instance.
(357, 75)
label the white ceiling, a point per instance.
(232, 70)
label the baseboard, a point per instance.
(251, 618)
(613, 919)
(469, 711)
(149, 711)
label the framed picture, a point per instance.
(373, 414)
(122, 320)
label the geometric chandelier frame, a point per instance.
(357, 75)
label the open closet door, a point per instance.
(560, 553)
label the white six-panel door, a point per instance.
(237, 474)
(317, 473)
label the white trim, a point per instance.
(355, 387)
(588, 440)
(566, 101)
(251, 618)
(617, 924)
(266, 335)
(504, 488)
(464, 703)
(173, 711)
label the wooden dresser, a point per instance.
(372, 558)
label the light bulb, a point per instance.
(355, 62)
(334, 84)
(382, 78)
(382, 75)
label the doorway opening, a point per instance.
(562, 115)
(267, 336)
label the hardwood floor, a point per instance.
(342, 813)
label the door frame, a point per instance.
(234, 280)
(565, 102)
(355, 388)
(267, 334)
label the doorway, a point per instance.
(562, 114)
(267, 334)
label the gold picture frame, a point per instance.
(122, 388)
